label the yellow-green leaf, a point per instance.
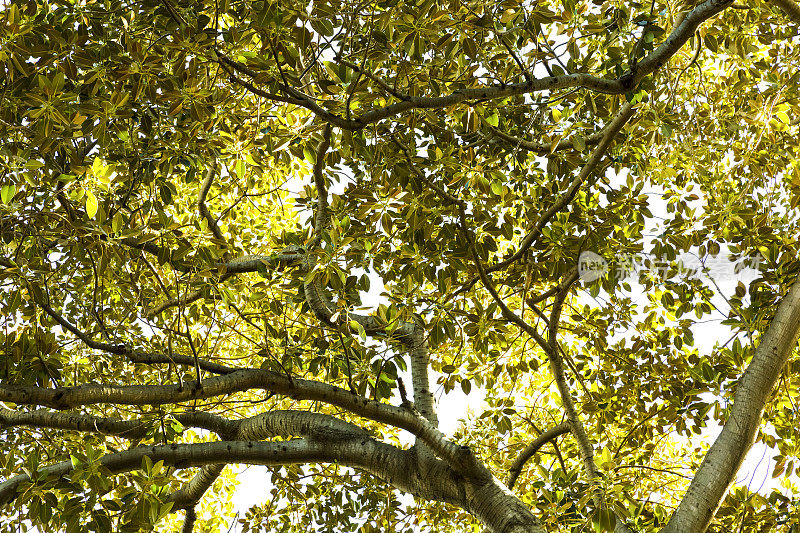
(8, 193)
(91, 204)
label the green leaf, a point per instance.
(604, 521)
(91, 204)
(8, 193)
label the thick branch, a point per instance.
(324, 428)
(238, 381)
(127, 429)
(719, 467)
(385, 461)
(192, 491)
(790, 8)
(486, 498)
(188, 522)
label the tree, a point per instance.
(196, 197)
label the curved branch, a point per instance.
(482, 497)
(531, 449)
(557, 370)
(483, 275)
(410, 334)
(243, 380)
(541, 148)
(625, 83)
(324, 428)
(129, 353)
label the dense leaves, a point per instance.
(149, 150)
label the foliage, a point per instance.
(174, 199)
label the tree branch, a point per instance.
(383, 460)
(624, 84)
(530, 450)
(129, 352)
(791, 9)
(611, 130)
(42, 418)
(242, 380)
(723, 460)
(203, 208)
(158, 251)
(484, 277)
(548, 148)
(188, 522)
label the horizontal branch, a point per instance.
(543, 148)
(42, 418)
(324, 428)
(547, 148)
(624, 84)
(117, 427)
(150, 247)
(460, 457)
(186, 299)
(383, 460)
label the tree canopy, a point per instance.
(276, 232)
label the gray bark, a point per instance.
(719, 467)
